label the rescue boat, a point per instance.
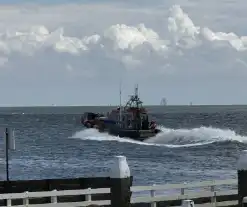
(131, 121)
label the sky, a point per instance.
(77, 52)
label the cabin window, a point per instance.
(90, 116)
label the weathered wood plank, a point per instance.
(54, 193)
(148, 199)
(219, 204)
(184, 185)
(71, 204)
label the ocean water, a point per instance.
(196, 143)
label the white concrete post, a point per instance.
(242, 176)
(120, 182)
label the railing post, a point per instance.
(54, 197)
(88, 196)
(188, 203)
(213, 198)
(120, 182)
(244, 202)
(9, 202)
(242, 176)
(182, 191)
(153, 204)
(26, 199)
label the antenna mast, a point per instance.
(136, 95)
(120, 102)
(136, 90)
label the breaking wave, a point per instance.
(171, 137)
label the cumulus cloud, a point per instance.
(134, 45)
(65, 40)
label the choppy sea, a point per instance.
(196, 143)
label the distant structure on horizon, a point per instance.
(163, 102)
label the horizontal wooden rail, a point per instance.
(54, 194)
(149, 199)
(184, 185)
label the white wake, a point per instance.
(171, 137)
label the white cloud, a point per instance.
(99, 41)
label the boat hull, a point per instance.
(113, 129)
(139, 135)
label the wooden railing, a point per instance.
(185, 192)
(26, 196)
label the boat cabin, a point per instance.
(131, 119)
(91, 116)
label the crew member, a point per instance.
(152, 125)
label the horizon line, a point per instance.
(158, 105)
